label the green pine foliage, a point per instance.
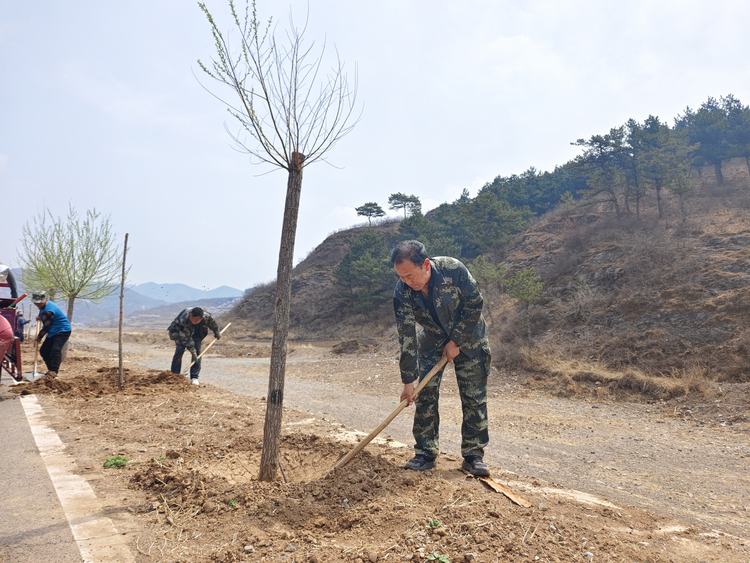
(370, 209)
(409, 203)
(467, 227)
(539, 192)
(526, 286)
(488, 274)
(365, 272)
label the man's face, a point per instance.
(416, 277)
(41, 305)
(195, 320)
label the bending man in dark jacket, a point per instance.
(188, 331)
(441, 296)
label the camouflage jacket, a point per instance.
(182, 330)
(458, 304)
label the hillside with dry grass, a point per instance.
(319, 311)
(651, 305)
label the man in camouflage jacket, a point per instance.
(438, 309)
(188, 331)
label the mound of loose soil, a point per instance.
(346, 347)
(104, 381)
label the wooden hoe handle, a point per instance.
(359, 447)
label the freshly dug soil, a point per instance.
(190, 490)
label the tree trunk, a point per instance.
(719, 175)
(121, 377)
(528, 321)
(275, 399)
(658, 199)
(615, 203)
(71, 303)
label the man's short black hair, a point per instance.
(196, 312)
(411, 250)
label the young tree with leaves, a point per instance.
(526, 286)
(293, 115)
(73, 258)
(490, 278)
(370, 210)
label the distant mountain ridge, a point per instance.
(150, 302)
(160, 317)
(179, 292)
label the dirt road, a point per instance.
(654, 457)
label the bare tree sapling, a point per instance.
(290, 115)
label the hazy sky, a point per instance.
(101, 108)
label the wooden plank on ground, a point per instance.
(500, 488)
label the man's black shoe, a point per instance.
(420, 463)
(474, 465)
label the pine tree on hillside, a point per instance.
(708, 128)
(526, 286)
(409, 203)
(370, 210)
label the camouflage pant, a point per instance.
(471, 375)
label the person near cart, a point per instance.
(21, 322)
(55, 332)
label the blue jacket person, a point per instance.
(55, 330)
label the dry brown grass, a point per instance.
(570, 376)
(658, 302)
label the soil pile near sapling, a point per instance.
(369, 510)
(103, 381)
(354, 346)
